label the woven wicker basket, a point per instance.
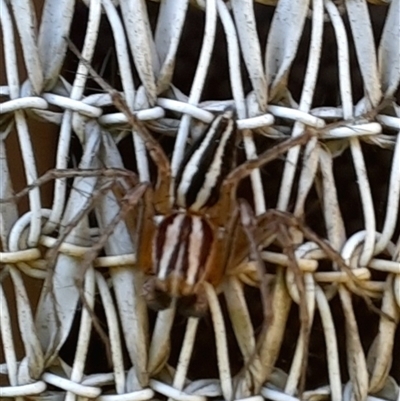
(74, 324)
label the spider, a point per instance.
(200, 235)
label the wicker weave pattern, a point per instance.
(268, 111)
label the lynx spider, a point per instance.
(200, 235)
(208, 212)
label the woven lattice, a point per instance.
(74, 322)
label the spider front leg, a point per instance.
(227, 203)
(232, 180)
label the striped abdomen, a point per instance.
(207, 163)
(182, 247)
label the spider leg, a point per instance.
(161, 197)
(227, 242)
(231, 182)
(156, 152)
(249, 223)
(357, 285)
(258, 229)
(147, 229)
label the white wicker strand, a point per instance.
(388, 52)
(198, 83)
(362, 31)
(221, 342)
(171, 19)
(367, 202)
(243, 12)
(18, 393)
(354, 131)
(160, 341)
(55, 24)
(7, 340)
(350, 248)
(85, 327)
(28, 156)
(272, 341)
(127, 280)
(240, 318)
(71, 386)
(361, 28)
(244, 333)
(32, 365)
(331, 344)
(388, 121)
(140, 395)
(359, 164)
(19, 256)
(356, 362)
(17, 230)
(256, 182)
(332, 213)
(393, 202)
(31, 102)
(296, 115)
(208, 387)
(277, 395)
(307, 176)
(8, 211)
(185, 354)
(305, 102)
(54, 321)
(283, 41)
(336, 230)
(233, 58)
(308, 265)
(113, 330)
(27, 24)
(66, 124)
(343, 59)
(379, 355)
(296, 367)
(72, 104)
(185, 108)
(9, 45)
(22, 129)
(177, 395)
(136, 21)
(127, 83)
